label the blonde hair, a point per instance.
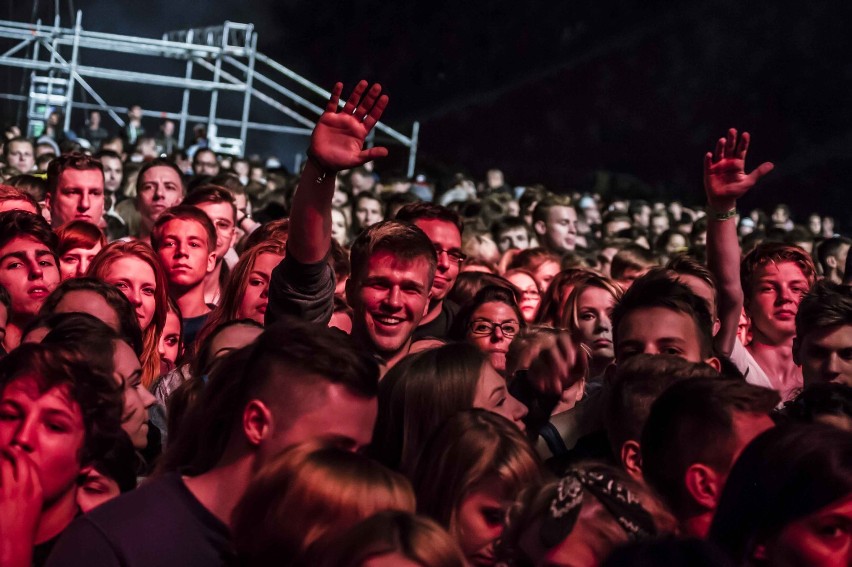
(569, 317)
(307, 492)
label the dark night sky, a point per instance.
(558, 92)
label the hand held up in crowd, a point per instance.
(725, 179)
(559, 367)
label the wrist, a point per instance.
(324, 171)
(722, 211)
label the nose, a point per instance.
(147, 397)
(85, 201)
(36, 271)
(519, 410)
(135, 297)
(180, 251)
(25, 436)
(604, 323)
(159, 192)
(443, 260)
(393, 298)
(497, 334)
(82, 266)
(264, 292)
(833, 366)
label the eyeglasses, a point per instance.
(484, 327)
(454, 255)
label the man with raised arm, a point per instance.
(770, 282)
(393, 262)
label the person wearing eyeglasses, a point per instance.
(443, 226)
(490, 321)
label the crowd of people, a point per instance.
(208, 361)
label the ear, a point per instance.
(714, 362)
(257, 421)
(47, 201)
(211, 262)
(703, 484)
(428, 303)
(831, 262)
(631, 459)
(717, 324)
(540, 227)
(233, 240)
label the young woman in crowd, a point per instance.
(392, 538)
(79, 243)
(134, 269)
(309, 494)
(469, 472)
(554, 300)
(528, 291)
(490, 321)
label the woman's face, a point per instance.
(492, 395)
(75, 262)
(368, 212)
(135, 278)
(46, 426)
(479, 522)
(530, 296)
(594, 326)
(492, 327)
(823, 539)
(545, 274)
(256, 295)
(169, 346)
(95, 489)
(137, 400)
(338, 227)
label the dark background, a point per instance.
(611, 95)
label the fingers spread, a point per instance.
(720, 149)
(731, 142)
(761, 170)
(373, 153)
(369, 100)
(334, 99)
(352, 102)
(376, 112)
(742, 147)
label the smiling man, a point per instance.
(75, 189)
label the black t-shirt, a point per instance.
(439, 327)
(191, 327)
(160, 524)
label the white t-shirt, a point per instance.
(749, 367)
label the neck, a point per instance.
(698, 525)
(388, 359)
(56, 517)
(435, 307)
(778, 364)
(191, 300)
(212, 289)
(221, 488)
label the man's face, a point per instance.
(774, 300)
(184, 253)
(113, 173)
(161, 189)
(643, 217)
(135, 112)
(841, 256)
(657, 330)
(79, 196)
(447, 240)
(368, 212)
(29, 273)
(826, 355)
(659, 225)
(204, 163)
(390, 300)
(560, 231)
(222, 216)
(94, 119)
(22, 156)
(514, 239)
(47, 427)
(168, 128)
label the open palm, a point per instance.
(725, 179)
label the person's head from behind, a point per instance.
(774, 278)
(60, 414)
(13, 199)
(424, 389)
(328, 489)
(159, 186)
(823, 402)
(823, 343)
(630, 263)
(697, 277)
(219, 205)
(659, 315)
(185, 242)
(393, 265)
(395, 538)
(468, 474)
(581, 518)
(28, 267)
(297, 381)
(79, 242)
(694, 433)
(490, 322)
(75, 189)
(759, 521)
(635, 385)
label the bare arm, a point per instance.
(725, 181)
(336, 144)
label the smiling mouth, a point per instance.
(388, 320)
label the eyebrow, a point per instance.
(133, 375)
(23, 255)
(497, 390)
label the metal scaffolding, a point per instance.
(227, 54)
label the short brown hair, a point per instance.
(73, 160)
(186, 213)
(774, 253)
(78, 234)
(401, 238)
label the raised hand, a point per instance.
(559, 367)
(725, 179)
(338, 138)
(20, 506)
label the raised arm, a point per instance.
(336, 143)
(725, 181)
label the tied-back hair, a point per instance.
(308, 494)
(150, 357)
(232, 295)
(403, 239)
(288, 362)
(471, 448)
(418, 394)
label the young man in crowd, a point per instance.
(555, 224)
(693, 435)
(185, 241)
(159, 186)
(393, 263)
(299, 381)
(823, 343)
(832, 255)
(219, 205)
(205, 163)
(20, 154)
(444, 228)
(11, 199)
(75, 190)
(511, 233)
(770, 282)
(29, 269)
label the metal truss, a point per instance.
(226, 55)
